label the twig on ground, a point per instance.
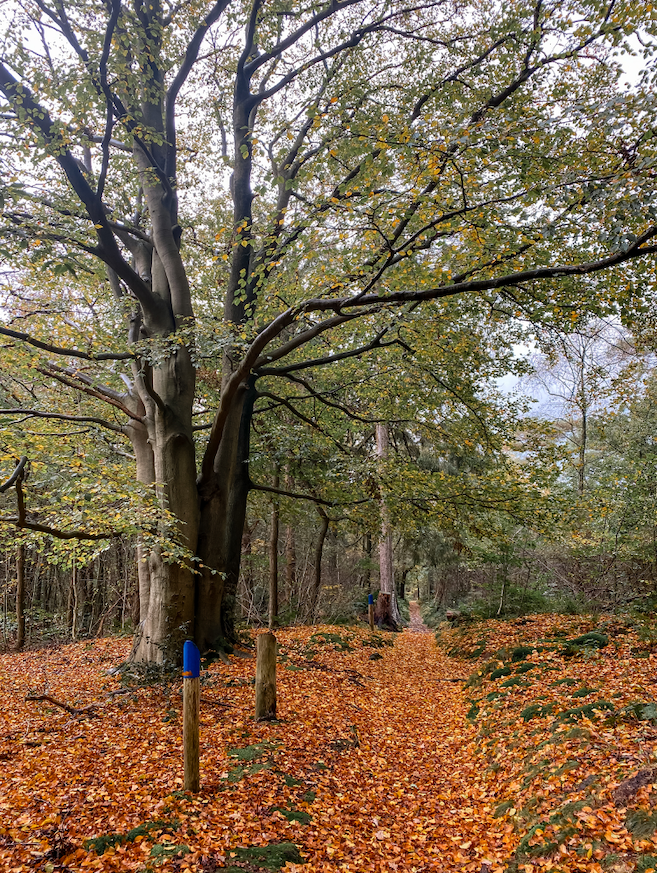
(74, 710)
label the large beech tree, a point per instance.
(258, 188)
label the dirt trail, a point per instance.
(375, 750)
(416, 625)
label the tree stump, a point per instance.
(383, 613)
(265, 702)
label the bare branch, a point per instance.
(59, 534)
(33, 413)
(191, 56)
(522, 277)
(87, 389)
(20, 98)
(319, 500)
(59, 350)
(304, 337)
(15, 476)
(376, 343)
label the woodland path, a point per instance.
(416, 624)
(376, 751)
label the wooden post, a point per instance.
(265, 702)
(370, 610)
(191, 707)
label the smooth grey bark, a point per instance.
(386, 566)
(317, 571)
(223, 500)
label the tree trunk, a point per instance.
(581, 467)
(317, 575)
(138, 434)
(223, 511)
(20, 597)
(169, 614)
(290, 561)
(273, 560)
(386, 570)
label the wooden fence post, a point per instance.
(370, 610)
(191, 708)
(265, 702)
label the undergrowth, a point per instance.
(562, 714)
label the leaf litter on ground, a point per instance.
(371, 766)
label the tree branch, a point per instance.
(235, 383)
(191, 56)
(304, 337)
(59, 350)
(329, 359)
(87, 389)
(296, 496)
(33, 413)
(58, 534)
(16, 475)
(38, 118)
(522, 277)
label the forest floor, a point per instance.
(516, 746)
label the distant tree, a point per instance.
(575, 373)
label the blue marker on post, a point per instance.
(191, 661)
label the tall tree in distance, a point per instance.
(387, 608)
(574, 374)
(256, 189)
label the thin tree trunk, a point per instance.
(74, 597)
(581, 472)
(317, 574)
(367, 575)
(70, 607)
(273, 559)
(20, 597)
(386, 570)
(290, 553)
(290, 561)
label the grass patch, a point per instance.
(250, 753)
(520, 653)
(537, 710)
(641, 823)
(583, 692)
(257, 858)
(338, 642)
(101, 844)
(292, 814)
(590, 710)
(525, 668)
(167, 851)
(515, 680)
(645, 863)
(376, 641)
